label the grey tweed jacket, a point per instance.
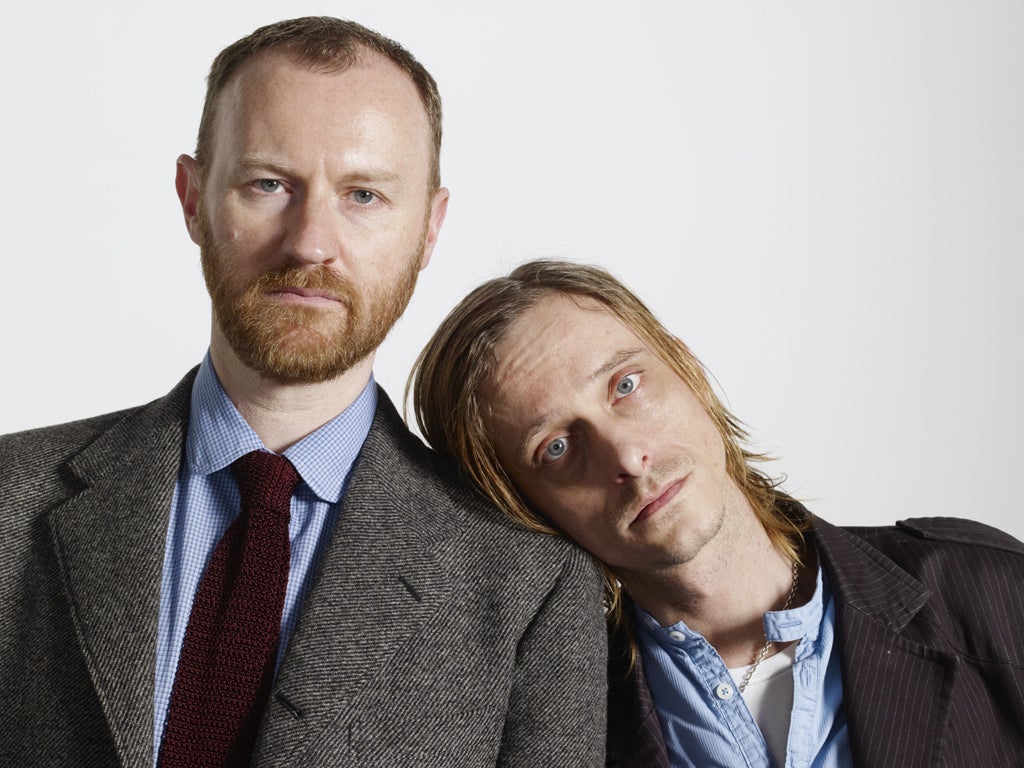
(437, 634)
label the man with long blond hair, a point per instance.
(265, 567)
(744, 630)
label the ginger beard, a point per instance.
(296, 344)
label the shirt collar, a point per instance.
(804, 621)
(218, 434)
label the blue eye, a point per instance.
(626, 385)
(556, 448)
(269, 185)
(363, 196)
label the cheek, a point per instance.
(237, 223)
(713, 444)
(392, 248)
(701, 431)
(249, 232)
(249, 250)
(578, 513)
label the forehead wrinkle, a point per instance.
(513, 361)
(540, 424)
(614, 362)
(535, 341)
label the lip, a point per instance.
(658, 500)
(302, 296)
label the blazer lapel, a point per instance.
(895, 682)
(378, 584)
(109, 541)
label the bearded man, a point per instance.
(264, 567)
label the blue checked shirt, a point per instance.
(206, 502)
(703, 716)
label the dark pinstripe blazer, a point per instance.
(930, 625)
(437, 634)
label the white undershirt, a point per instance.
(769, 697)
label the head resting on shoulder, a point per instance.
(459, 362)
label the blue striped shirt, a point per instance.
(703, 716)
(206, 502)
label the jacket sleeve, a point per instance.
(557, 706)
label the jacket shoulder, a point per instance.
(960, 531)
(34, 453)
(442, 505)
(34, 450)
(952, 531)
(970, 573)
(43, 466)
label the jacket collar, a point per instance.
(898, 681)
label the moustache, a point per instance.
(317, 278)
(641, 491)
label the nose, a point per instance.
(622, 454)
(312, 234)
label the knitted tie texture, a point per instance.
(229, 652)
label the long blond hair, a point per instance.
(459, 360)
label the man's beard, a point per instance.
(301, 344)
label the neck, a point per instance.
(724, 591)
(281, 414)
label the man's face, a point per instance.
(314, 215)
(605, 439)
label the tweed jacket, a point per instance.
(930, 625)
(436, 634)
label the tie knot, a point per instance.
(265, 480)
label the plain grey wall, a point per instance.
(825, 200)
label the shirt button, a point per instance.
(724, 691)
(676, 635)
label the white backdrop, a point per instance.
(824, 199)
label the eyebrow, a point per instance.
(371, 175)
(252, 162)
(614, 362)
(609, 365)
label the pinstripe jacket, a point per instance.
(930, 624)
(437, 634)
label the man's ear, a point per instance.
(187, 183)
(438, 209)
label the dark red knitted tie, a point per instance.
(228, 656)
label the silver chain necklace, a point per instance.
(768, 643)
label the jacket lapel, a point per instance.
(109, 541)
(378, 584)
(895, 682)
